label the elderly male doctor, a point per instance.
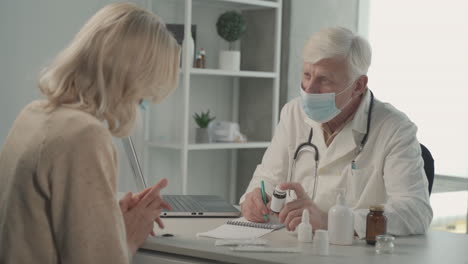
(340, 116)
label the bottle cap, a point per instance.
(279, 191)
(340, 198)
(377, 208)
(384, 238)
(305, 217)
(321, 242)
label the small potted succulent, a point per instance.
(231, 26)
(203, 120)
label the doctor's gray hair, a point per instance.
(339, 42)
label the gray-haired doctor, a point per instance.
(341, 137)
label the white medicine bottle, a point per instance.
(278, 199)
(340, 222)
(304, 232)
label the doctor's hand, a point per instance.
(253, 207)
(140, 211)
(291, 214)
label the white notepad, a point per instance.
(242, 229)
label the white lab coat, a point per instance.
(389, 170)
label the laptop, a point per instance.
(182, 205)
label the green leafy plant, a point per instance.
(203, 119)
(231, 26)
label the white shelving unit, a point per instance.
(172, 143)
(207, 146)
(216, 72)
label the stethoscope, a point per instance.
(308, 146)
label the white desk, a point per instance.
(435, 247)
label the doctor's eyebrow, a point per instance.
(324, 79)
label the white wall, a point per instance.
(420, 67)
(31, 34)
(308, 17)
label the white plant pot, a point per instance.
(201, 135)
(229, 60)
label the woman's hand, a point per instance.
(140, 211)
(291, 214)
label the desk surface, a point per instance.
(435, 247)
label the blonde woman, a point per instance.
(58, 165)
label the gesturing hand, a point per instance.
(291, 214)
(140, 211)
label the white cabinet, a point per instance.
(249, 96)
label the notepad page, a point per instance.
(231, 231)
(235, 232)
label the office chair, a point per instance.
(428, 166)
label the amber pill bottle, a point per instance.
(376, 223)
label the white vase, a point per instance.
(229, 60)
(191, 49)
(201, 135)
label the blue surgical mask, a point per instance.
(144, 104)
(321, 107)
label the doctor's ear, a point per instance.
(361, 84)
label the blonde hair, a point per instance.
(339, 42)
(121, 55)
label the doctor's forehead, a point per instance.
(333, 67)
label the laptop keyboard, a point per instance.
(183, 203)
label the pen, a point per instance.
(264, 197)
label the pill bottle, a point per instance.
(376, 224)
(278, 199)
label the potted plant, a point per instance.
(231, 26)
(203, 120)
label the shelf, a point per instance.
(238, 4)
(247, 145)
(216, 72)
(207, 146)
(163, 145)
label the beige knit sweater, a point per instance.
(57, 190)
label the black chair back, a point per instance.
(428, 165)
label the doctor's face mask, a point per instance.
(321, 107)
